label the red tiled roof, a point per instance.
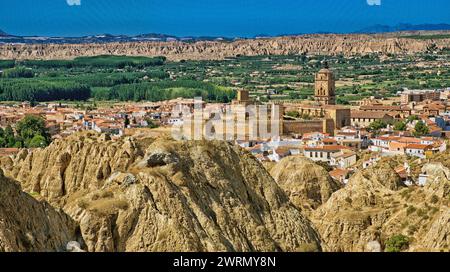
(338, 173)
(418, 146)
(368, 114)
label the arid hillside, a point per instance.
(28, 224)
(161, 195)
(141, 193)
(373, 207)
(213, 50)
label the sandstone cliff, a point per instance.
(156, 194)
(375, 205)
(307, 184)
(161, 195)
(27, 224)
(205, 50)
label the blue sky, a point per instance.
(211, 17)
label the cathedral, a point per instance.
(326, 115)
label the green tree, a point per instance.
(3, 142)
(38, 141)
(18, 144)
(397, 243)
(294, 114)
(421, 129)
(31, 126)
(9, 137)
(400, 126)
(377, 125)
(18, 72)
(294, 95)
(412, 118)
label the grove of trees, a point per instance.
(102, 61)
(164, 90)
(30, 132)
(18, 72)
(42, 90)
(421, 129)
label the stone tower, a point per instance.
(325, 87)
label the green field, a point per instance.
(122, 78)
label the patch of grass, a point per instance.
(434, 199)
(412, 229)
(434, 210)
(421, 212)
(108, 206)
(34, 194)
(404, 224)
(410, 210)
(406, 193)
(83, 204)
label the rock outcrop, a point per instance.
(307, 184)
(438, 181)
(156, 194)
(214, 50)
(375, 206)
(27, 224)
(163, 195)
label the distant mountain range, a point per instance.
(107, 38)
(104, 38)
(403, 27)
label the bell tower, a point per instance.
(325, 87)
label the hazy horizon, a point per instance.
(232, 18)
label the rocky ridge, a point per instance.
(162, 195)
(216, 50)
(27, 224)
(307, 184)
(155, 194)
(374, 206)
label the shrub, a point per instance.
(434, 199)
(410, 210)
(405, 224)
(412, 229)
(294, 114)
(397, 243)
(421, 212)
(434, 210)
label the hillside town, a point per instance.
(415, 124)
